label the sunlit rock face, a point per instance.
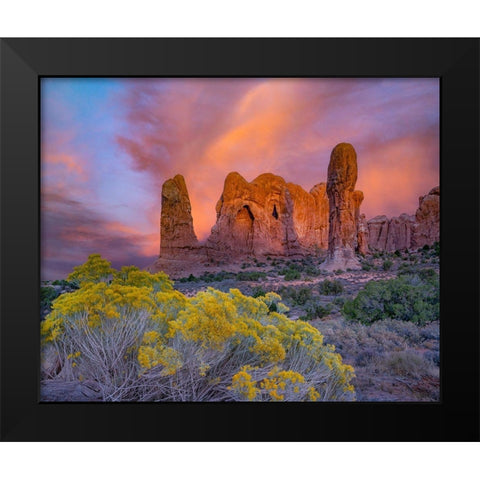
(391, 234)
(378, 232)
(176, 222)
(310, 215)
(343, 204)
(362, 235)
(427, 219)
(179, 247)
(400, 232)
(268, 217)
(361, 224)
(407, 231)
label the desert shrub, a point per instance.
(296, 296)
(292, 275)
(139, 339)
(407, 297)
(94, 269)
(291, 272)
(65, 284)
(432, 356)
(250, 276)
(387, 265)
(339, 301)
(47, 296)
(367, 266)
(408, 363)
(312, 271)
(190, 278)
(315, 309)
(367, 357)
(330, 287)
(209, 277)
(427, 274)
(258, 292)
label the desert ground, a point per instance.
(394, 360)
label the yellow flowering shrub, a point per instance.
(243, 385)
(95, 269)
(134, 277)
(140, 339)
(208, 319)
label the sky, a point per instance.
(108, 144)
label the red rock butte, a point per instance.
(270, 217)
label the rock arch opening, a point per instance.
(243, 229)
(275, 213)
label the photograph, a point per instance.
(239, 239)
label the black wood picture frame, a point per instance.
(454, 418)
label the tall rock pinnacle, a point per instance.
(343, 208)
(176, 223)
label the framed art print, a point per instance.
(240, 239)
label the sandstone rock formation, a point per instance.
(378, 232)
(342, 235)
(176, 222)
(268, 217)
(361, 245)
(400, 232)
(362, 235)
(271, 217)
(427, 219)
(310, 215)
(407, 231)
(390, 234)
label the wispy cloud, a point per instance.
(204, 129)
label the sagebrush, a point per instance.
(139, 339)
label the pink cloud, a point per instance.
(203, 130)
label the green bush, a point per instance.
(330, 287)
(190, 278)
(250, 276)
(367, 266)
(296, 296)
(65, 284)
(292, 275)
(258, 292)
(339, 301)
(314, 309)
(47, 296)
(291, 272)
(408, 298)
(387, 265)
(312, 271)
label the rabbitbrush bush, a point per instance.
(141, 340)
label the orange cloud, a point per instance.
(395, 175)
(205, 128)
